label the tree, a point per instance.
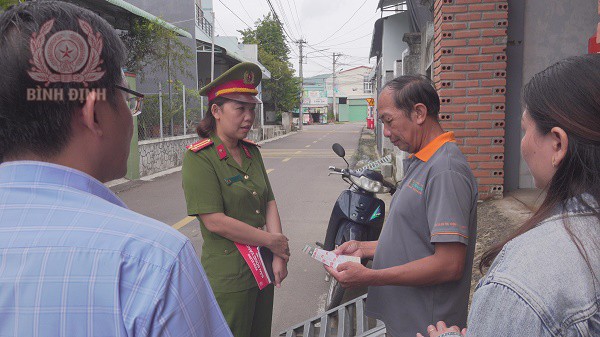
(151, 45)
(273, 52)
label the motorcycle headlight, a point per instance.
(369, 185)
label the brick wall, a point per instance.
(470, 76)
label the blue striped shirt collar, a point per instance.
(37, 173)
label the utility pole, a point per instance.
(301, 42)
(212, 47)
(335, 110)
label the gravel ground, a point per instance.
(492, 227)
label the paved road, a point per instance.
(297, 167)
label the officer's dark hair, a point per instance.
(208, 124)
(412, 89)
(44, 127)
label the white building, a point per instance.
(352, 87)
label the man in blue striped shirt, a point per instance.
(74, 261)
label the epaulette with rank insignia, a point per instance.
(199, 145)
(248, 141)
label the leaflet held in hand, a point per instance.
(260, 261)
(329, 258)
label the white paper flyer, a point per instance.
(329, 258)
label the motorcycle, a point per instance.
(357, 214)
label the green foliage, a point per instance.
(149, 44)
(273, 52)
(4, 4)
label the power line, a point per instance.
(244, 8)
(322, 66)
(294, 21)
(232, 12)
(286, 21)
(339, 44)
(345, 23)
(220, 27)
(276, 17)
(297, 16)
(283, 17)
(279, 21)
(320, 51)
(369, 20)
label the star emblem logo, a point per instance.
(66, 52)
(249, 77)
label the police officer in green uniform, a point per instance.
(226, 186)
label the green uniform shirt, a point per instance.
(213, 182)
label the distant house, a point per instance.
(314, 100)
(352, 87)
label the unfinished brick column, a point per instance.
(470, 75)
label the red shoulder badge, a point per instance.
(246, 151)
(248, 141)
(199, 145)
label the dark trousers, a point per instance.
(248, 312)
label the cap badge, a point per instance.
(249, 77)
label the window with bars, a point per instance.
(367, 86)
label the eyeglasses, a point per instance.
(133, 102)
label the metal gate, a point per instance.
(346, 320)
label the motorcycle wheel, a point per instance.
(334, 295)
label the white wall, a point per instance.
(349, 83)
(394, 28)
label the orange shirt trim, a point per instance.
(450, 233)
(434, 145)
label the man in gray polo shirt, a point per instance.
(422, 267)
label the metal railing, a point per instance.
(175, 111)
(202, 22)
(346, 320)
(167, 115)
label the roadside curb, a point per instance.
(363, 149)
(123, 184)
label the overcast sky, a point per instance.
(328, 26)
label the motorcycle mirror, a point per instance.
(338, 149)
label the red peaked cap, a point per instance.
(238, 83)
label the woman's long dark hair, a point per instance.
(566, 95)
(208, 124)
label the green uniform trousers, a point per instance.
(248, 312)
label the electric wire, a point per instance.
(244, 22)
(244, 8)
(298, 17)
(339, 44)
(345, 23)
